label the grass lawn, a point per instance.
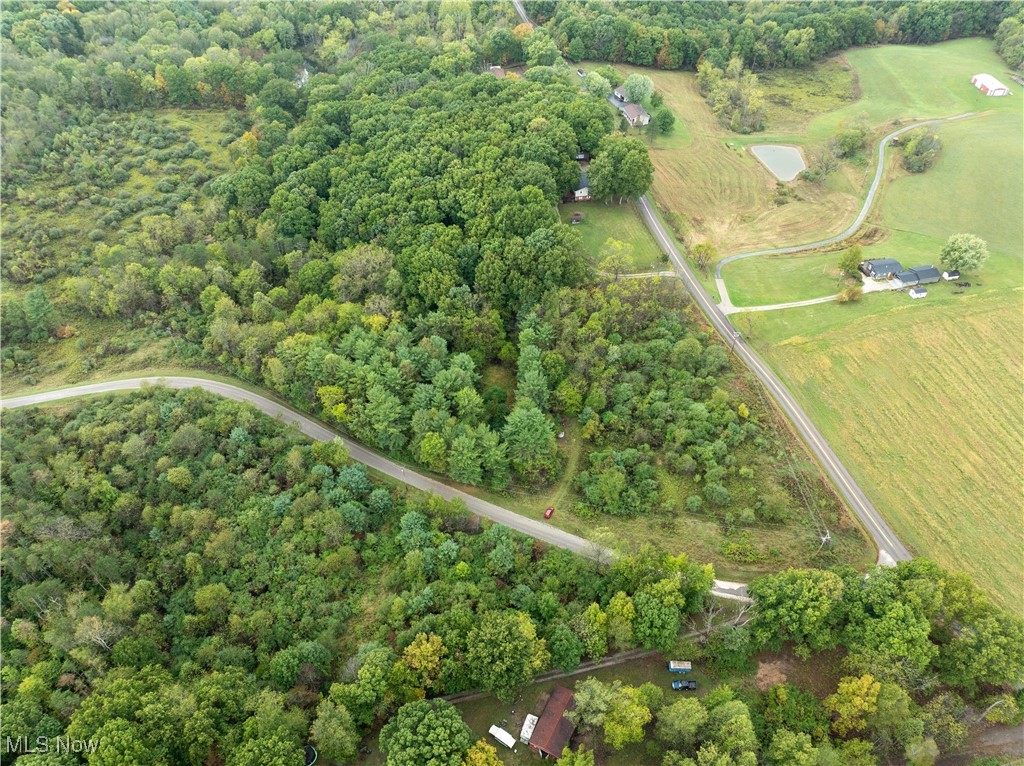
(912, 82)
(942, 459)
(602, 222)
(783, 278)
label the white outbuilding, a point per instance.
(989, 85)
(502, 736)
(527, 731)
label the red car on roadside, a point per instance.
(549, 511)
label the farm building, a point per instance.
(989, 85)
(926, 275)
(880, 268)
(553, 730)
(918, 292)
(906, 278)
(635, 115)
(919, 275)
(949, 276)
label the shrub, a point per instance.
(920, 150)
(850, 294)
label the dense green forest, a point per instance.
(337, 201)
(763, 36)
(374, 243)
(176, 562)
(186, 580)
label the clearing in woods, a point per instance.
(611, 221)
(922, 399)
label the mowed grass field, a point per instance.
(918, 82)
(723, 192)
(923, 399)
(602, 222)
(771, 279)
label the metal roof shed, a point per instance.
(907, 278)
(502, 736)
(926, 275)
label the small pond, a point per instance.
(785, 162)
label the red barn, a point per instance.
(553, 731)
(989, 85)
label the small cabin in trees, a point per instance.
(582, 191)
(620, 94)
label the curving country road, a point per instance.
(315, 430)
(890, 549)
(849, 231)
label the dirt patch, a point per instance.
(871, 235)
(817, 675)
(771, 673)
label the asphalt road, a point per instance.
(890, 549)
(315, 430)
(870, 198)
(521, 11)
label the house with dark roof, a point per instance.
(919, 275)
(881, 268)
(926, 275)
(553, 730)
(635, 115)
(906, 278)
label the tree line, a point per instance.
(680, 35)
